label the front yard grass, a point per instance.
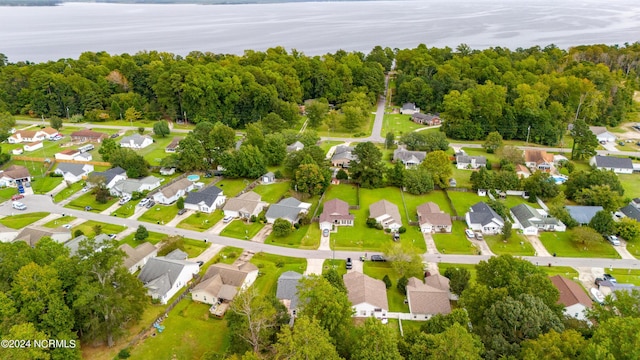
(442, 267)
(189, 333)
(462, 201)
(241, 230)
(398, 124)
(565, 271)
(395, 298)
(456, 242)
(43, 185)
(339, 264)
(59, 222)
(68, 191)
(560, 243)
(87, 228)
(227, 255)
(270, 267)
(201, 221)
(22, 220)
(232, 187)
(89, 199)
(517, 245)
(326, 145)
(7, 193)
(364, 128)
(344, 192)
(626, 276)
(126, 210)
(154, 238)
(195, 247)
(634, 249)
(159, 214)
(271, 193)
(306, 237)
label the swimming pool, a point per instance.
(193, 177)
(559, 179)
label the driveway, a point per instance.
(314, 266)
(537, 246)
(622, 250)
(610, 146)
(431, 245)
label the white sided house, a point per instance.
(531, 220)
(72, 173)
(14, 176)
(466, 162)
(409, 159)
(432, 219)
(409, 109)
(368, 295)
(110, 177)
(222, 282)
(33, 146)
(26, 136)
(68, 154)
(164, 277)
(136, 141)
(576, 302)
(127, 187)
(481, 217)
(170, 193)
(206, 200)
(244, 206)
(137, 257)
(335, 213)
(602, 134)
(386, 214)
(615, 164)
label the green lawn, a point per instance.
(456, 242)
(159, 214)
(88, 199)
(272, 193)
(127, 209)
(442, 267)
(634, 249)
(565, 271)
(326, 145)
(512, 201)
(227, 255)
(153, 238)
(21, 220)
(493, 158)
(462, 177)
(201, 221)
(232, 187)
(413, 201)
(271, 267)
(59, 221)
(344, 192)
(45, 184)
(631, 184)
(87, 228)
(398, 124)
(240, 230)
(462, 201)
(560, 243)
(154, 153)
(7, 193)
(195, 247)
(306, 237)
(626, 276)
(339, 264)
(365, 128)
(189, 333)
(395, 298)
(68, 191)
(517, 245)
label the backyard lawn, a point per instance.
(271, 193)
(365, 128)
(270, 267)
(344, 192)
(201, 221)
(7, 193)
(456, 242)
(159, 214)
(517, 245)
(87, 228)
(22, 220)
(154, 153)
(462, 201)
(59, 221)
(398, 124)
(232, 187)
(413, 201)
(68, 191)
(88, 199)
(395, 298)
(630, 184)
(462, 177)
(511, 201)
(43, 185)
(241, 230)
(189, 333)
(560, 243)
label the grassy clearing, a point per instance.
(232, 187)
(272, 193)
(87, 228)
(413, 201)
(241, 230)
(398, 124)
(462, 201)
(201, 221)
(227, 255)
(630, 184)
(59, 222)
(68, 191)
(326, 145)
(22, 220)
(517, 245)
(271, 267)
(560, 243)
(626, 276)
(45, 184)
(462, 177)
(565, 271)
(306, 237)
(344, 192)
(395, 298)
(189, 333)
(154, 238)
(154, 153)
(456, 242)
(366, 127)
(442, 267)
(88, 199)
(159, 214)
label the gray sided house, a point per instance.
(408, 158)
(164, 277)
(244, 206)
(583, 214)
(612, 163)
(342, 156)
(72, 173)
(481, 217)
(531, 220)
(287, 291)
(465, 162)
(127, 187)
(206, 200)
(289, 209)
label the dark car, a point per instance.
(349, 264)
(113, 136)
(378, 258)
(182, 211)
(609, 277)
(150, 204)
(200, 263)
(599, 280)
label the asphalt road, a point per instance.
(44, 203)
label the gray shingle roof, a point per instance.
(207, 195)
(613, 162)
(408, 106)
(583, 214)
(405, 156)
(110, 174)
(159, 274)
(288, 208)
(465, 159)
(75, 169)
(483, 214)
(295, 146)
(74, 243)
(364, 289)
(177, 254)
(528, 216)
(288, 288)
(631, 211)
(136, 139)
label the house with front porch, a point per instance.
(481, 217)
(222, 282)
(612, 163)
(432, 219)
(335, 213)
(206, 200)
(244, 206)
(368, 295)
(531, 220)
(409, 159)
(127, 187)
(386, 214)
(289, 209)
(170, 193)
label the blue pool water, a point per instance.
(559, 179)
(193, 177)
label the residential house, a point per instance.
(466, 162)
(14, 176)
(409, 109)
(170, 193)
(575, 300)
(87, 135)
(631, 211)
(296, 146)
(166, 171)
(127, 187)
(26, 136)
(368, 295)
(206, 200)
(164, 277)
(522, 171)
(33, 146)
(222, 282)
(177, 254)
(612, 163)
(531, 220)
(287, 290)
(426, 119)
(289, 209)
(428, 298)
(538, 160)
(74, 244)
(49, 132)
(244, 206)
(173, 145)
(432, 219)
(481, 217)
(602, 134)
(342, 156)
(268, 178)
(335, 213)
(32, 234)
(68, 154)
(136, 258)
(136, 141)
(610, 288)
(583, 214)
(558, 158)
(110, 177)
(72, 173)
(409, 159)
(17, 151)
(386, 214)
(85, 156)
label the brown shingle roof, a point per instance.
(425, 299)
(49, 130)
(174, 143)
(230, 274)
(86, 133)
(383, 207)
(537, 156)
(247, 202)
(430, 213)
(364, 289)
(171, 190)
(16, 172)
(25, 133)
(570, 292)
(134, 255)
(335, 209)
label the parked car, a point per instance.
(396, 236)
(19, 206)
(182, 211)
(66, 226)
(17, 197)
(613, 240)
(144, 202)
(150, 204)
(479, 236)
(112, 236)
(469, 233)
(599, 280)
(88, 208)
(85, 189)
(325, 232)
(349, 264)
(378, 258)
(200, 263)
(124, 200)
(227, 219)
(609, 277)
(113, 136)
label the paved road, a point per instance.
(44, 203)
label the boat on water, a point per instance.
(597, 295)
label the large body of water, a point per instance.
(51, 33)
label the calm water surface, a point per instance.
(50, 33)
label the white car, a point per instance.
(227, 219)
(19, 206)
(470, 233)
(143, 202)
(613, 240)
